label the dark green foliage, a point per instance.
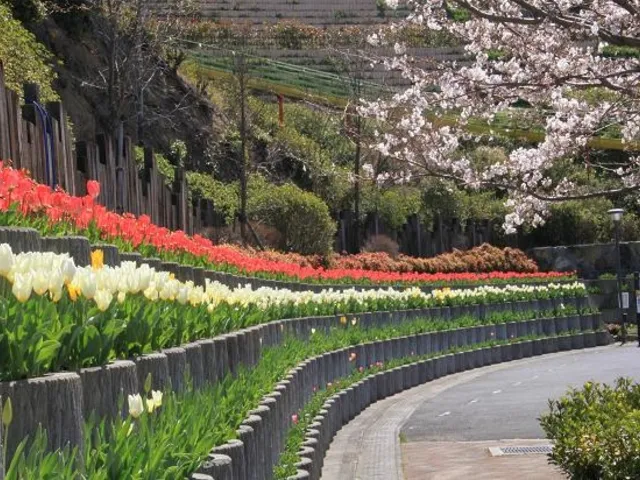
(302, 219)
(595, 431)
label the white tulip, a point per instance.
(22, 286)
(183, 296)
(103, 299)
(68, 270)
(136, 406)
(40, 282)
(6, 259)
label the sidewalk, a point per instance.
(456, 460)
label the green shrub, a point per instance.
(595, 431)
(302, 219)
(25, 60)
(223, 195)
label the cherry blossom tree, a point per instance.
(544, 54)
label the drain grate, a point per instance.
(521, 450)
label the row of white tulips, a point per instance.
(49, 274)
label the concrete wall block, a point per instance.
(221, 349)
(177, 360)
(501, 331)
(201, 476)
(152, 262)
(562, 324)
(21, 240)
(271, 422)
(244, 348)
(506, 353)
(478, 358)
(185, 273)
(536, 348)
(300, 475)
(218, 466)
(171, 267)
(198, 276)
(603, 338)
(512, 330)
(574, 322)
(235, 450)
(195, 368)
(564, 343)
(486, 356)
(496, 355)
(209, 363)
(53, 401)
(255, 464)
(104, 387)
(246, 434)
(78, 248)
(156, 365)
(577, 341)
(258, 420)
(233, 352)
(517, 351)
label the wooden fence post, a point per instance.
(5, 142)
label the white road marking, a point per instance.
(444, 414)
(535, 376)
(517, 383)
(473, 401)
(496, 391)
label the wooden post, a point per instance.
(5, 143)
(153, 193)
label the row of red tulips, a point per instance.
(24, 202)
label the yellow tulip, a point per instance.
(97, 259)
(74, 291)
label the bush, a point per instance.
(302, 219)
(382, 243)
(25, 59)
(595, 431)
(483, 259)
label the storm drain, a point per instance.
(521, 450)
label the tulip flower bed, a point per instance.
(25, 203)
(167, 436)
(63, 317)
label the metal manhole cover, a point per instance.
(521, 450)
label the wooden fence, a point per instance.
(418, 239)
(36, 137)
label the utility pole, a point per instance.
(242, 79)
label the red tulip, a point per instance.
(93, 188)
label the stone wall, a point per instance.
(589, 261)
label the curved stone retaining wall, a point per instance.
(61, 402)
(263, 434)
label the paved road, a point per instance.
(497, 402)
(507, 403)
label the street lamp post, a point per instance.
(616, 217)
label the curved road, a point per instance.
(447, 426)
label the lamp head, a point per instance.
(616, 214)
